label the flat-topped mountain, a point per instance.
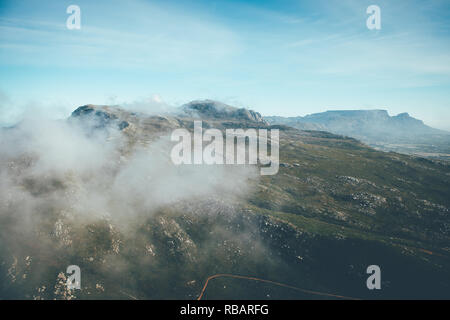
(377, 128)
(365, 123)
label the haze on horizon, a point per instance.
(287, 58)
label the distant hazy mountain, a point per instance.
(401, 133)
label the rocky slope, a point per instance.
(210, 109)
(104, 195)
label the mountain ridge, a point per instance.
(376, 128)
(215, 109)
(401, 133)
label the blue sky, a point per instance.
(276, 57)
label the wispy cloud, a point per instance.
(158, 40)
(259, 52)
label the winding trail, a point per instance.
(226, 275)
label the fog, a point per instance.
(60, 179)
(95, 174)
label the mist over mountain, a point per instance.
(100, 191)
(208, 109)
(401, 133)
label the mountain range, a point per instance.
(99, 190)
(400, 133)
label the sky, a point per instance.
(285, 57)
